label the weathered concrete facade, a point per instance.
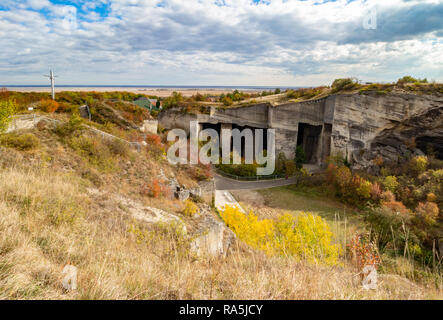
(343, 123)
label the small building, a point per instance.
(150, 104)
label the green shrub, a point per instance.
(290, 168)
(94, 150)
(418, 164)
(344, 84)
(23, 142)
(364, 189)
(387, 226)
(409, 79)
(390, 183)
(242, 170)
(190, 208)
(227, 101)
(7, 109)
(118, 147)
(73, 127)
(300, 157)
(172, 101)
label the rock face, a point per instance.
(205, 189)
(382, 124)
(213, 238)
(24, 122)
(411, 137)
(149, 214)
(343, 123)
(208, 236)
(426, 129)
(149, 126)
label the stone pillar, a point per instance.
(320, 148)
(286, 142)
(270, 116)
(225, 140)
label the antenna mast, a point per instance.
(52, 78)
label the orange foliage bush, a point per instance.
(153, 139)
(155, 148)
(156, 189)
(397, 207)
(330, 173)
(363, 252)
(200, 172)
(428, 212)
(49, 106)
(387, 196)
(4, 94)
(431, 197)
(375, 192)
(343, 177)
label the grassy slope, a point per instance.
(344, 221)
(48, 219)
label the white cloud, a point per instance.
(38, 4)
(202, 42)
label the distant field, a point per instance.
(160, 92)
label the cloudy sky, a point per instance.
(219, 42)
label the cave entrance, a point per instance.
(242, 151)
(263, 143)
(309, 138)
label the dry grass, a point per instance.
(48, 219)
(37, 240)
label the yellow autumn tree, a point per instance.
(303, 237)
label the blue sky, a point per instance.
(219, 42)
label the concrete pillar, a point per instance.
(320, 148)
(225, 140)
(270, 116)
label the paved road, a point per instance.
(223, 198)
(223, 183)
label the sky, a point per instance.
(219, 42)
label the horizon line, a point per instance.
(147, 86)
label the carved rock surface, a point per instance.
(426, 128)
(213, 238)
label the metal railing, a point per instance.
(249, 178)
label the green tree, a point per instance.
(409, 79)
(7, 109)
(300, 157)
(173, 100)
(344, 84)
(227, 101)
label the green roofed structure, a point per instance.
(150, 104)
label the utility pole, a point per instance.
(52, 78)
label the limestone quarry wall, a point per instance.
(348, 122)
(175, 119)
(254, 116)
(358, 119)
